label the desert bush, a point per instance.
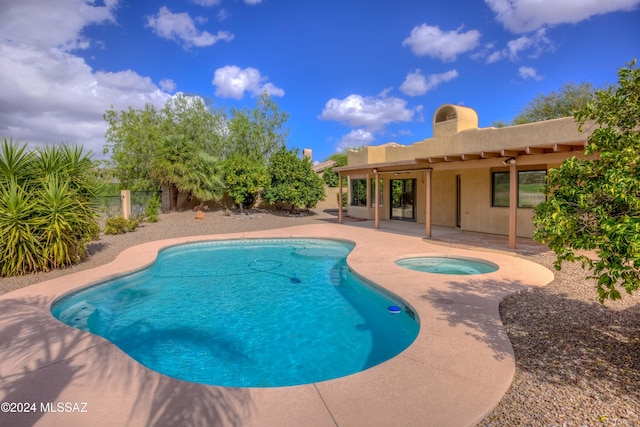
(119, 225)
(151, 210)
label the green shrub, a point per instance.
(46, 216)
(119, 225)
(151, 210)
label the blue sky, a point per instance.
(348, 72)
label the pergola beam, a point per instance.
(561, 148)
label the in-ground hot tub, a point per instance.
(448, 265)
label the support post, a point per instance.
(339, 198)
(125, 196)
(513, 203)
(376, 214)
(428, 204)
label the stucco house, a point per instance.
(463, 176)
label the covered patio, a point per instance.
(514, 158)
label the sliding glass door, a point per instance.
(403, 196)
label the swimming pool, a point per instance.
(246, 313)
(448, 265)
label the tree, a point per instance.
(594, 204)
(178, 146)
(132, 138)
(245, 178)
(202, 137)
(181, 163)
(257, 133)
(563, 103)
(197, 120)
(329, 176)
(293, 181)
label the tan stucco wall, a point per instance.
(443, 190)
(451, 119)
(478, 214)
(556, 131)
(331, 199)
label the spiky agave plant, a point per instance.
(21, 251)
(66, 225)
(46, 216)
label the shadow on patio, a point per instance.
(47, 357)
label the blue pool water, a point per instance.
(448, 265)
(246, 313)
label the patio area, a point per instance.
(455, 372)
(455, 237)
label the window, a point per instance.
(380, 192)
(530, 184)
(358, 192)
(500, 189)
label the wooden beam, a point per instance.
(428, 204)
(470, 156)
(513, 204)
(436, 159)
(509, 153)
(340, 198)
(560, 148)
(534, 150)
(376, 214)
(489, 154)
(452, 158)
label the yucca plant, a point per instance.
(15, 163)
(46, 212)
(66, 223)
(20, 248)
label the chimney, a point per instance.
(306, 153)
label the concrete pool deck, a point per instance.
(454, 374)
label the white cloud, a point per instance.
(426, 40)
(253, 1)
(522, 16)
(416, 83)
(495, 57)
(527, 73)
(355, 139)
(534, 44)
(206, 3)
(180, 26)
(222, 15)
(232, 82)
(48, 24)
(370, 113)
(49, 95)
(531, 45)
(168, 85)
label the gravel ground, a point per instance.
(577, 361)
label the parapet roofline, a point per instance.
(421, 163)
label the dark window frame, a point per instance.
(358, 194)
(521, 205)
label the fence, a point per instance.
(110, 206)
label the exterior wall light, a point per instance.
(509, 161)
